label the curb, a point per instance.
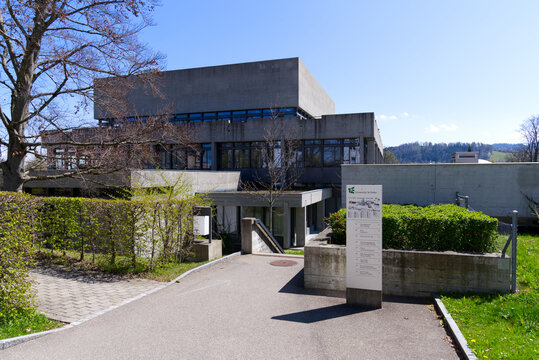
(6, 343)
(454, 329)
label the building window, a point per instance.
(257, 155)
(351, 151)
(313, 153)
(332, 153)
(206, 156)
(241, 155)
(226, 155)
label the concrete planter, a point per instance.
(412, 273)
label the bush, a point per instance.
(436, 227)
(17, 215)
(337, 222)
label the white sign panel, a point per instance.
(364, 237)
(201, 225)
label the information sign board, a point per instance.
(364, 237)
(201, 225)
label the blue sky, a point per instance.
(439, 71)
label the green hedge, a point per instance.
(157, 227)
(436, 227)
(17, 222)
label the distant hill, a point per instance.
(441, 153)
(504, 147)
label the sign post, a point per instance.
(202, 223)
(364, 245)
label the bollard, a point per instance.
(514, 252)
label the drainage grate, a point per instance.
(283, 263)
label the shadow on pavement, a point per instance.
(296, 286)
(325, 313)
(85, 276)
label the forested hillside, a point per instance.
(441, 153)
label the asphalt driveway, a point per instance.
(246, 308)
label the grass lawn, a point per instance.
(499, 156)
(26, 322)
(121, 266)
(504, 326)
(294, 252)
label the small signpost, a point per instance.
(364, 245)
(202, 221)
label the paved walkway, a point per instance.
(245, 308)
(69, 295)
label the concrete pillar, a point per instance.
(286, 226)
(301, 225)
(320, 211)
(214, 155)
(371, 152)
(247, 226)
(362, 150)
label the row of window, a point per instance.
(231, 116)
(195, 158)
(241, 155)
(307, 153)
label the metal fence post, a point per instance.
(514, 252)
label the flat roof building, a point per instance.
(229, 111)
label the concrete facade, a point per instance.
(253, 85)
(412, 273)
(197, 181)
(494, 189)
(294, 207)
(252, 241)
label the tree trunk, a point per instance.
(12, 174)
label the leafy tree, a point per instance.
(50, 52)
(390, 158)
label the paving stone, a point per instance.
(69, 295)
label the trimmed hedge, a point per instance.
(440, 227)
(155, 227)
(17, 220)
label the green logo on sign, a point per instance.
(352, 190)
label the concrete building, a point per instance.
(465, 157)
(230, 111)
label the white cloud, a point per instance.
(388, 117)
(438, 128)
(405, 115)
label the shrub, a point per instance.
(17, 215)
(436, 227)
(337, 222)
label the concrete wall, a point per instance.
(251, 239)
(312, 96)
(336, 126)
(412, 273)
(494, 189)
(199, 181)
(253, 85)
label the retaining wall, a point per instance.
(412, 273)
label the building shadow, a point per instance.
(321, 314)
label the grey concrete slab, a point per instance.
(242, 309)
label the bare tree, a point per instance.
(279, 173)
(50, 52)
(530, 132)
